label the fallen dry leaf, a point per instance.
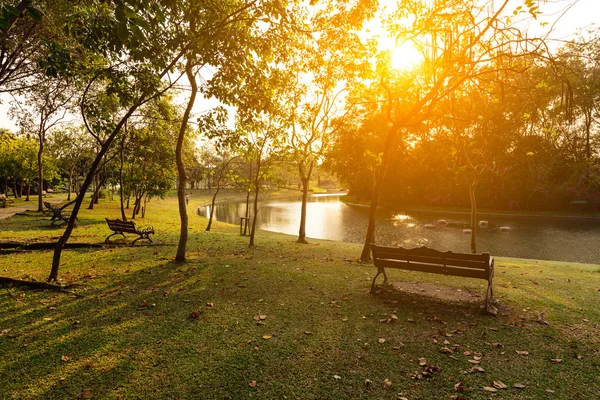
(381, 340)
(523, 353)
(476, 368)
(66, 358)
(422, 361)
(368, 383)
(345, 319)
(387, 383)
(252, 383)
(210, 304)
(519, 386)
(337, 377)
(446, 350)
(556, 360)
(550, 391)
(490, 389)
(267, 337)
(459, 387)
(499, 385)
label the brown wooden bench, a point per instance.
(58, 213)
(121, 227)
(437, 262)
(4, 200)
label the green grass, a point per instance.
(130, 335)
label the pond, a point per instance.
(545, 238)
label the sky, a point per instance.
(583, 14)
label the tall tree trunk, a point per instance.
(21, 188)
(40, 161)
(70, 185)
(305, 182)
(380, 177)
(122, 189)
(15, 188)
(212, 207)
(255, 213)
(473, 215)
(28, 189)
(96, 192)
(183, 232)
(86, 183)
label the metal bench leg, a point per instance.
(116, 233)
(379, 272)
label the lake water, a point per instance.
(561, 239)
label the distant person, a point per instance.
(187, 199)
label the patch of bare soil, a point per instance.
(438, 291)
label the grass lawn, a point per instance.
(283, 320)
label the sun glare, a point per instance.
(406, 56)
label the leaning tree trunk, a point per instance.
(212, 207)
(305, 182)
(379, 178)
(183, 232)
(40, 161)
(79, 200)
(473, 216)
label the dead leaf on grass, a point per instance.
(267, 337)
(519, 386)
(86, 394)
(422, 361)
(345, 319)
(556, 360)
(446, 350)
(459, 387)
(523, 353)
(490, 389)
(252, 383)
(499, 385)
(66, 358)
(381, 340)
(387, 383)
(476, 368)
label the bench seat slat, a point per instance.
(427, 252)
(478, 265)
(434, 269)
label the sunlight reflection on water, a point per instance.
(328, 218)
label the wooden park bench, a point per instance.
(428, 260)
(58, 213)
(121, 227)
(4, 200)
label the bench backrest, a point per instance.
(121, 226)
(429, 260)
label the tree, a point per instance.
(264, 141)
(48, 102)
(459, 42)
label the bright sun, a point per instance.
(406, 56)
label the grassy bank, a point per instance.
(283, 320)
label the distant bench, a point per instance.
(58, 213)
(121, 227)
(4, 200)
(428, 260)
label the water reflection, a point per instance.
(542, 238)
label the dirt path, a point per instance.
(10, 211)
